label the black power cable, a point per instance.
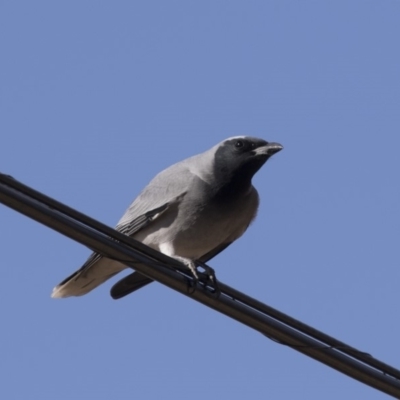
(272, 323)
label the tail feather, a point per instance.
(88, 277)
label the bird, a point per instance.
(190, 211)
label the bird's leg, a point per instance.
(190, 264)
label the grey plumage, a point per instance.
(190, 211)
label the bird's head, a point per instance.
(237, 159)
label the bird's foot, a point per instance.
(210, 279)
(202, 273)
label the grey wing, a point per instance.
(166, 187)
(97, 269)
(136, 280)
(148, 206)
(130, 227)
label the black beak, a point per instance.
(268, 149)
(272, 148)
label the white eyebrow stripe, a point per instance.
(235, 137)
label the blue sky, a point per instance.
(97, 97)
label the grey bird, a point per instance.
(190, 211)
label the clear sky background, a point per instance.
(97, 97)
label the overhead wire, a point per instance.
(272, 323)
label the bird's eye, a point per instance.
(239, 144)
(253, 145)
